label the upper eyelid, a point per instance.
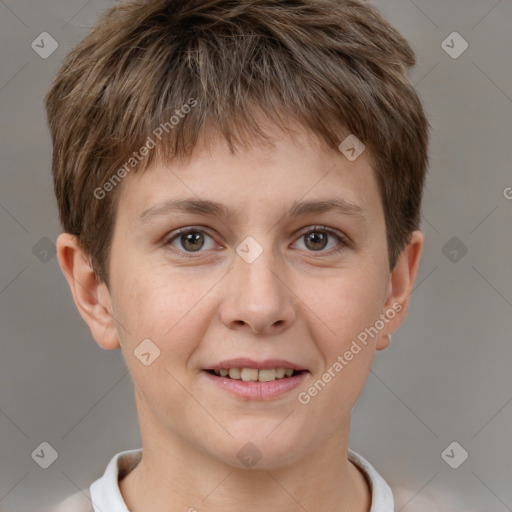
(318, 227)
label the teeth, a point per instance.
(267, 375)
(235, 373)
(248, 374)
(253, 374)
(280, 373)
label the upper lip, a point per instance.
(244, 362)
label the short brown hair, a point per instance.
(332, 65)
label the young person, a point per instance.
(239, 185)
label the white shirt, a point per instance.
(105, 495)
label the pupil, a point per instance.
(192, 238)
(316, 237)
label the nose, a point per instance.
(257, 297)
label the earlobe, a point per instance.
(400, 287)
(91, 298)
(383, 342)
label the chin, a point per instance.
(260, 452)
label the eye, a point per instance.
(191, 240)
(317, 238)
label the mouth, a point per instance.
(249, 380)
(255, 374)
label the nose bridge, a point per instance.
(258, 295)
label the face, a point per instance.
(266, 275)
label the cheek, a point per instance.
(349, 304)
(159, 336)
(170, 310)
(347, 351)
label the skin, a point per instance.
(292, 302)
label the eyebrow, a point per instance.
(207, 207)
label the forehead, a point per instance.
(261, 179)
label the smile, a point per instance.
(253, 374)
(254, 384)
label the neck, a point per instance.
(172, 476)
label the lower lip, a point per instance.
(257, 390)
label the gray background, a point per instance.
(446, 376)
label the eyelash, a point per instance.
(343, 241)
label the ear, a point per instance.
(92, 298)
(401, 283)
